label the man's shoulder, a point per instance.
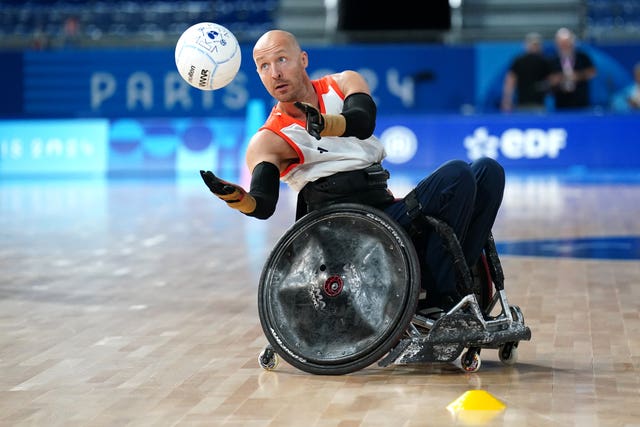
(266, 140)
(524, 60)
(322, 84)
(277, 120)
(583, 54)
(583, 58)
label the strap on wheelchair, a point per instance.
(495, 268)
(367, 186)
(420, 223)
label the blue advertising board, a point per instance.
(53, 147)
(145, 83)
(422, 142)
(404, 79)
(551, 141)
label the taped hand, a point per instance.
(234, 195)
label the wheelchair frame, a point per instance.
(472, 324)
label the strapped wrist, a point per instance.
(246, 205)
(244, 202)
(334, 125)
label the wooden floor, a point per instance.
(133, 303)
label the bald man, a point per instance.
(525, 85)
(319, 140)
(571, 71)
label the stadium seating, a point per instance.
(150, 22)
(159, 22)
(613, 19)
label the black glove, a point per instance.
(215, 184)
(234, 195)
(315, 120)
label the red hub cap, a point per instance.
(333, 286)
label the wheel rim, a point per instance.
(337, 287)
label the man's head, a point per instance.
(565, 41)
(533, 42)
(281, 65)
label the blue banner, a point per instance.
(133, 83)
(404, 79)
(11, 84)
(59, 147)
(552, 141)
(556, 142)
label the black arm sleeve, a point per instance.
(359, 111)
(265, 188)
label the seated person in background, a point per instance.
(319, 140)
(633, 91)
(628, 99)
(571, 71)
(526, 79)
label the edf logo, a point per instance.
(516, 143)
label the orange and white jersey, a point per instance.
(329, 155)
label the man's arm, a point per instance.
(588, 70)
(266, 156)
(351, 82)
(508, 89)
(259, 202)
(585, 74)
(358, 116)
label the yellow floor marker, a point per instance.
(476, 407)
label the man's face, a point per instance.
(281, 67)
(564, 45)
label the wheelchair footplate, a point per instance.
(464, 326)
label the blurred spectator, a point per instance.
(628, 99)
(633, 94)
(70, 32)
(40, 39)
(526, 80)
(572, 69)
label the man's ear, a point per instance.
(304, 58)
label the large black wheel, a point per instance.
(339, 289)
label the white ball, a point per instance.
(208, 56)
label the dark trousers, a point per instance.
(465, 196)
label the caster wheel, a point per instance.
(268, 359)
(470, 361)
(508, 353)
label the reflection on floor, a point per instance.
(133, 302)
(610, 247)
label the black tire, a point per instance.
(339, 289)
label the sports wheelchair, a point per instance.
(340, 290)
